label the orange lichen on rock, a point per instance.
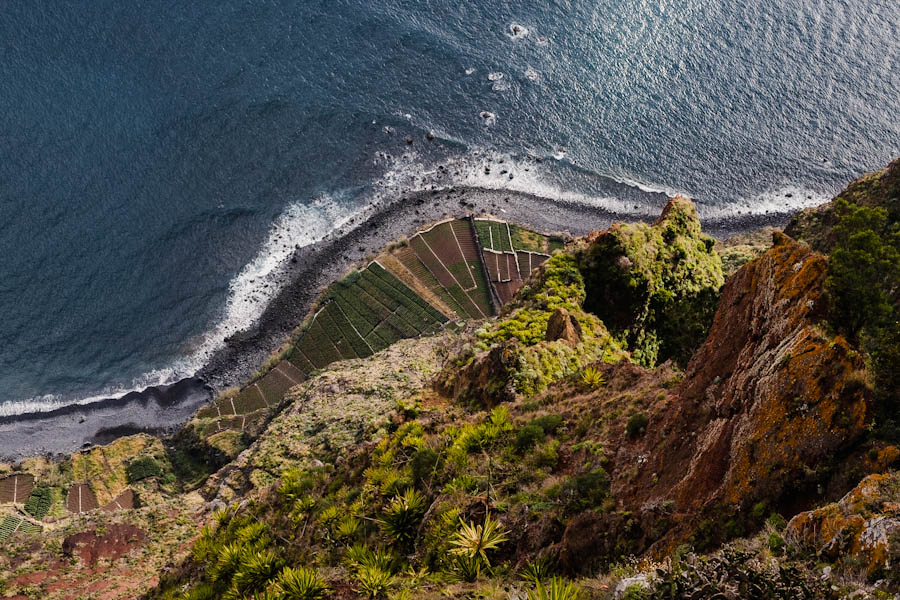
(863, 526)
(767, 402)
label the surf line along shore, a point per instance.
(162, 409)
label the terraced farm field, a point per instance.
(16, 488)
(81, 498)
(8, 526)
(442, 274)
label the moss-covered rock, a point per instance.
(515, 355)
(654, 286)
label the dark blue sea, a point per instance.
(158, 160)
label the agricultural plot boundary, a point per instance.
(442, 274)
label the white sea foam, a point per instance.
(481, 169)
(531, 74)
(250, 291)
(302, 224)
(495, 76)
(516, 31)
(489, 118)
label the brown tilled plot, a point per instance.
(81, 498)
(16, 488)
(125, 500)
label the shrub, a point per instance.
(528, 436)
(466, 568)
(227, 561)
(776, 543)
(549, 423)
(424, 465)
(359, 556)
(475, 540)
(636, 591)
(587, 490)
(348, 528)
(777, 522)
(142, 468)
(201, 592)
(295, 483)
(538, 570)
(255, 572)
(637, 424)
(402, 516)
(301, 584)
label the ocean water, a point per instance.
(159, 160)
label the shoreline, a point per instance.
(161, 410)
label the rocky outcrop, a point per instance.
(656, 285)
(563, 326)
(767, 404)
(112, 543)
(862, 528)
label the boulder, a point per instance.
(563, 326)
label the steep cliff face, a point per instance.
(768, 405)
(775, 395)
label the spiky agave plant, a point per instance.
(402, 516)
(466, 568)
(226, 563)
(347, 528)
(592, 378)
(300, 584)
(475, 540)
(555, 589)
(537, 570)
(255, 573)
(358, 556)
(373, 582)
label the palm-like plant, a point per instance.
(300, 584)
(373, 582)
(255, 573)
(467, 568)
(358, 557)
(537, 570)
(347, 528)
(227, 561)
(592, 378)
(475, 540)
(556, 589)
(402, 516)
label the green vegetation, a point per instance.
(556, 589)
(864, 288)
(402, 516)
(142, 468)
(592, 377)
(301, 584)
(38, 503)
(655, 287)
(8, 526)
(637, 424)
(473, 542)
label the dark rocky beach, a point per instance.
(159, 410)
